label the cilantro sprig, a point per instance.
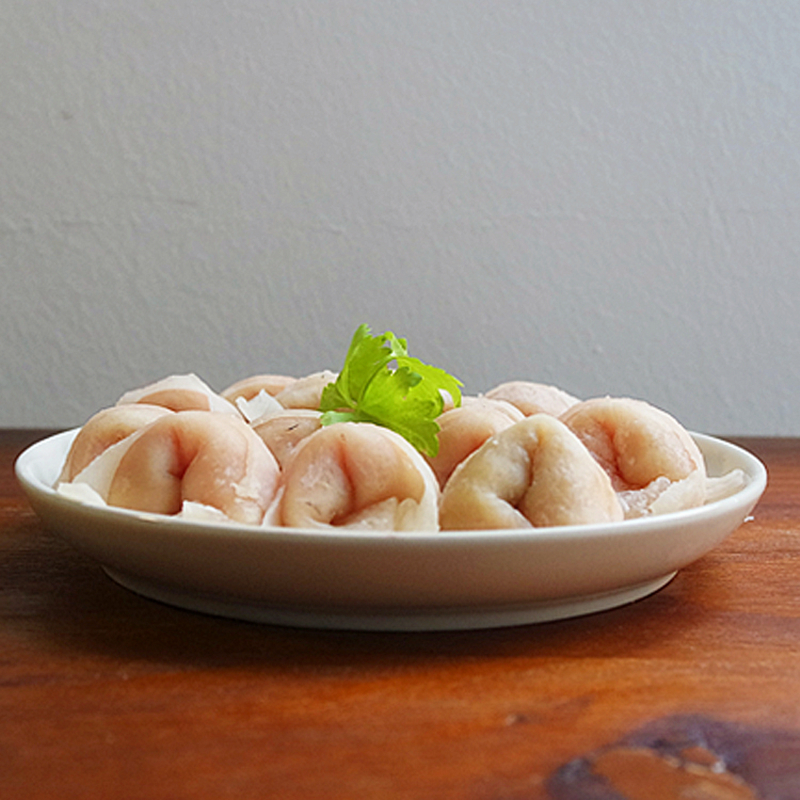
(381, 383)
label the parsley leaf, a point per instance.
(382, 384)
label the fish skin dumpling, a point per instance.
(361, 476)
(104, 429)
(180, 393)
(306, 392)
(652, 461)
(464, 429)
(248, 388)
(535, 473)
(200, 457)
(533, 398)
(284, 431)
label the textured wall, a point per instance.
(601, 195)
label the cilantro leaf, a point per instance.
(406, 397)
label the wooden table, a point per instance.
(696, 689)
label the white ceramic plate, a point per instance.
(390, 581)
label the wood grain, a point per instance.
(106, 694)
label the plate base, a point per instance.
(422, 619)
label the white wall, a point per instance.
(600, 195)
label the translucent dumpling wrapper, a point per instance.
(360, 476)
(535, 473)
(258, 406)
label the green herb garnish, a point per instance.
(406, 397)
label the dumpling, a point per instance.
(359, 475)
(180, 393)
(248, 388)
(284, 431)
(306, 392)
(465, 428)
(652, 461)
(533, 398)
(104, 429)
(198, 457)
(535, 473)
